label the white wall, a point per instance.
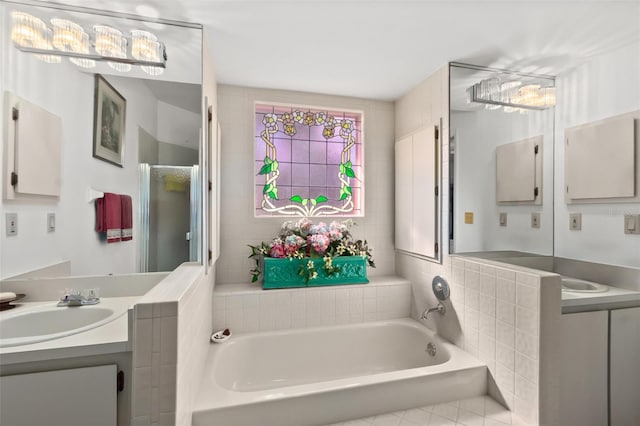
(238, 225)
(477, 134)
(606, 86)
(178, 126)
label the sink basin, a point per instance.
(581, 286)
(27, 325)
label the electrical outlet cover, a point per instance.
(535, 220)
(11, 224)
(575, 221)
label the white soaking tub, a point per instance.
(323, 375)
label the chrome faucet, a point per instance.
(440, 308)
(76, 298)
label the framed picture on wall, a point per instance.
(109, 111)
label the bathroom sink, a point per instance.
(27, 325)
(581, 286)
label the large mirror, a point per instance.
(501, 162)
(494, 213)
(156, 162)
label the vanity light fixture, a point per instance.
(111, 43)
(66, 38)
(70, 37)
(31, 32)
(145, 46)
(512, 95)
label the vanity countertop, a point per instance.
(614, 298)
(112, 337)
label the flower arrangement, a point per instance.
(303, 239)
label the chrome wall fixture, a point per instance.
(66, 38)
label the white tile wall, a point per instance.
(170, 343)
(248, 308)
(154, 363)
(499, 315)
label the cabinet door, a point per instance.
(583, 369)
(624, 373)
(423, 188)
(404, 185)
(76, 397)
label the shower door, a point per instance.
(169, 216)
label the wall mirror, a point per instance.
(160, 155)
(501, 162)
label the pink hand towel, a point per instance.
(109, 216)
(127, 218)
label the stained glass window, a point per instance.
(308, 161)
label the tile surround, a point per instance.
(500, 313)
(245, 308)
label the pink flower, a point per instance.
(304, 225)
(319, 242)
(277, 250)
(335, 234)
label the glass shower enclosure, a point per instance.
(169, 219)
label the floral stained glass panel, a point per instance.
(308, 162)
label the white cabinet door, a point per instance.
(583, 369)
(76, 397)
(624, 367)
(416, 174)
(404, 184)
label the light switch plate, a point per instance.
(575, 221)
(51, 222)
(12, 224)
(632, 223)
(503, 219)
(535, 220)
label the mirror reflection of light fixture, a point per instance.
(30, 34)
(145, 46)
(70, 37)
(29, 31)
(111, 43)
(511, 95)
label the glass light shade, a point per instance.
(145, 47)
(27, 30)
(83, 48)
(67, 35)
(48, 44)
(111, 43)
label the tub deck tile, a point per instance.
(479, 411)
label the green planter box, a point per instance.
(283, 273)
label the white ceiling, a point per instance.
(381, 48)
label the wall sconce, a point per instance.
(30, 34)
(511, 95)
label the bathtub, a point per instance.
(324, 375)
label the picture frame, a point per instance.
(109, 113)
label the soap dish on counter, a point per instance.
(5, 305)
(221, 335)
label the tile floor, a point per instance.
(479, 411)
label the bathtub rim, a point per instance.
(212, 396)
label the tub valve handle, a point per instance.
(439, 308)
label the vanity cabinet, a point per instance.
(624, 374)
(600, 379)
(73, 397)
(583, 368)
